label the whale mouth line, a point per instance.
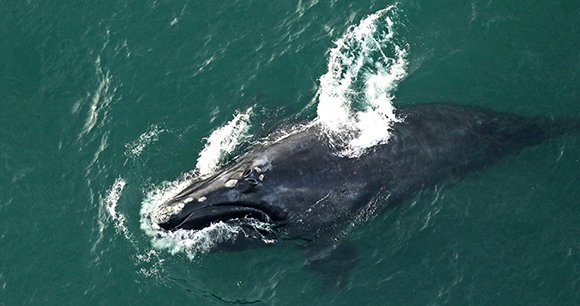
(205, 216)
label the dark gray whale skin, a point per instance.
(306, 191)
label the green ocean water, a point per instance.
(103, 101)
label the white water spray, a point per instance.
(355, 95)
(223, 141)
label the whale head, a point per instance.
(235, 193)
(295, 184)
(267, 184)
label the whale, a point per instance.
(299, 185)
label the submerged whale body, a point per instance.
(304, 190)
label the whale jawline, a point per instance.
(228, 211)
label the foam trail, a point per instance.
(363, 70)
(111, 205)
(108, 212)
(151, 264)
(100, 99)
(135, 148)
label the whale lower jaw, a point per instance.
(205, 216)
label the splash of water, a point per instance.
(223, 141)
(355, 95)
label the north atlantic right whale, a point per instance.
(304, 191)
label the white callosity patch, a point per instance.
(355, 100)
(162, 213)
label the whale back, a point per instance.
(442, 142)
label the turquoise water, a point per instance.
(104, 102)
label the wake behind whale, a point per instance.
(302, 189)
